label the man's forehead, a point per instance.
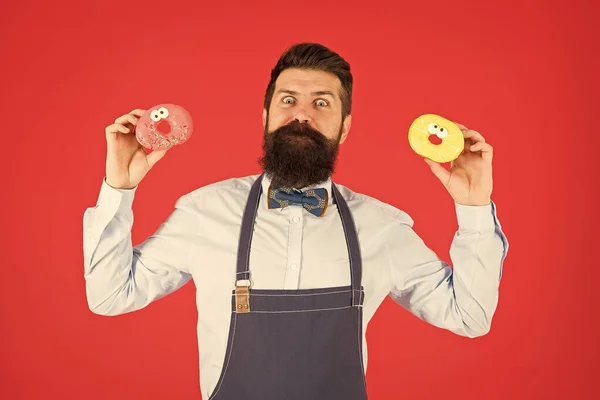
(308, 82)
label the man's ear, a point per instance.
(346, 128)
(264, 117)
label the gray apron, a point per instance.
(294, 344)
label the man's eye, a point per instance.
(322, 103)
(287, 98)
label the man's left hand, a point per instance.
(469, 180)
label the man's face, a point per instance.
(303, 128)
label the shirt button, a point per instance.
(294, 266)
(295, 219)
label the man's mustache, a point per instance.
(296, 128)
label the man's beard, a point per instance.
(296, 155)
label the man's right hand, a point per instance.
(126, 161)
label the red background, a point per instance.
(523, 73)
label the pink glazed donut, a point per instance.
(164, 126)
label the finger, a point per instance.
(474, 136)
(138, 112)
(438, 170)
(487, 151)
(114, 128)
(481, 146)
(127, 118)
(461, 127)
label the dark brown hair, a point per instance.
(314, 56)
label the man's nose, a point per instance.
(301, 114)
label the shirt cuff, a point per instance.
(123, 198)
(476, 218)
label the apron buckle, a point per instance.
(242, 299)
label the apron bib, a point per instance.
(294, 344)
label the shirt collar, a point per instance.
(266, 183)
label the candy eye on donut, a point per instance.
(163, 112)
(157, 115)
(433, 129)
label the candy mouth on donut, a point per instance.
(163, 127)
(435, 139)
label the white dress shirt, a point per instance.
(291, 249)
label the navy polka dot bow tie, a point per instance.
(313, 200)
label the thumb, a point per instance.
(438, 170)
(155, 156)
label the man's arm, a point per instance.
(121, 278)
(462, 299)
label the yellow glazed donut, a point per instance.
(436, 138)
